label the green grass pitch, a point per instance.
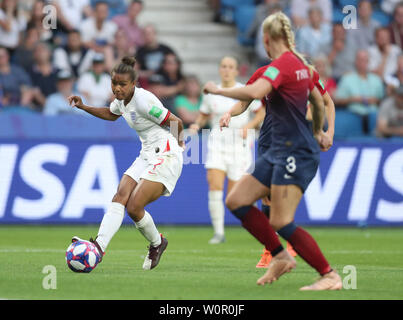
(190, 268)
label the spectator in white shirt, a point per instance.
(383, 54)
(300, 9)
(70, 13)
(95, 85)
(11, 24)
(97, 31)
(314, 36)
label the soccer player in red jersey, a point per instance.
(265, 138)
(285, 170)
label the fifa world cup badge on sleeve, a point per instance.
(155, 112)
(272, 73)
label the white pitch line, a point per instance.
(49, 250)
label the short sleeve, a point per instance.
(114, 108)
(258, 73)
(318, 83)
(205, 104)
(321, 86)
(150, 107)
(273, 75)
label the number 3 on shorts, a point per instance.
(291, 164)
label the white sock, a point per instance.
(217, 211)
(110, 224)
(148, 229)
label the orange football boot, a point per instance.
(265, 259)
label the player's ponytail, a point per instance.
(278, 26)
(126, 66)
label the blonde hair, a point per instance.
(278, 26)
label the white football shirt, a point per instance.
(216, 106)
(145, 114)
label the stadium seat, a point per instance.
(228, 8)
(243, 18)
(381, 17)
(347, 124)
(338, 15)
(372, 122)
(343, 3)
(237, 3)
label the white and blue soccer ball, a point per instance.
(82, 256)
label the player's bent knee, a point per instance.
(121, 197)
(278, 223)
(134, 209)
(231, 202)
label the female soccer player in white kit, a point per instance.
(229, 152)
(155, 171)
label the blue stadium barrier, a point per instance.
(65, 169)
(72, 181)
(17, 125)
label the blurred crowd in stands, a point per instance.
(41, 67)
(361, 68)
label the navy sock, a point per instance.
(287, 231)
(241, 212)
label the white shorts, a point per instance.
(235, 163)
(164, 168)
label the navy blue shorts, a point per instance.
(286, 170)
(261, 149)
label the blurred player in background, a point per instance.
(155, 171)
(285, 170)
(229, 152)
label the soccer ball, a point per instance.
(82, 256)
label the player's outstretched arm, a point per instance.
(257, 90)
(200, 122)
(236, 110)
(102, 113)
(255, 122)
